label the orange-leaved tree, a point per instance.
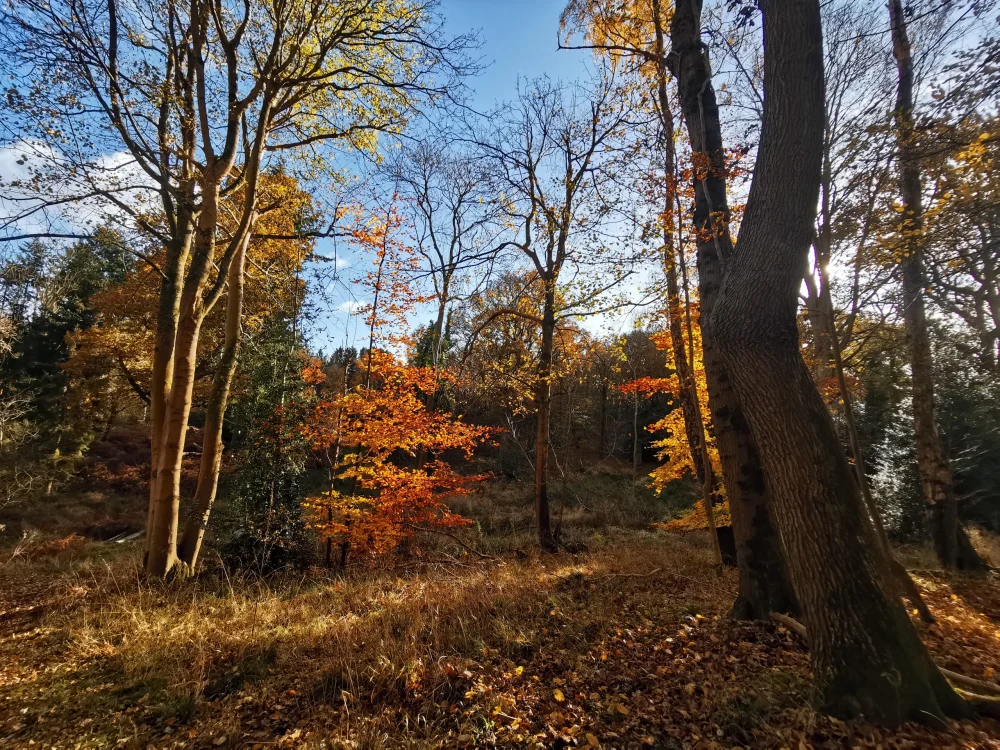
(379, 497)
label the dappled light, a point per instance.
(371, 381)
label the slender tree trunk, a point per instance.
(636, 444)
(897, 571)
(543, 409)
(211, 457)
(867, 657)
(764, 583)
(162, 556)
(954, 549)
(687, 387)
(163, 357)
(602, 437)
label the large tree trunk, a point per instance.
(764, 583)
(954, 549)
(211, 456)
(543, 409)
(867, 657)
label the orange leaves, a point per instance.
(377, 231)
(649, 386)
(393, 477)
(696, 520)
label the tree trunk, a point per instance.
(602, 437)
(897, 570)
(687, 387)
(211, 456)
(764, 582)
(168, 314)
(636, 443)
(161, 558)
(954, 549)
(867, 657)
(543, 408)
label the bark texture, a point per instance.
(954, 549)
(764, 582)
(867, 657)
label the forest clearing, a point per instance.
(545, 373)
(627, 644)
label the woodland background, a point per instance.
(334, 410)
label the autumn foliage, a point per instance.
(380, 494)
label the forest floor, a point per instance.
(624, 645)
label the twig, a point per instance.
(654, 571)
(464, 546)
(979, 686)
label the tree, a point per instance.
(764, 580)
(453, 213)
(498, 328)
(380, 421)
(954, 549)
(638, 29)
(557, 152)
(200, 96)
(867, 656)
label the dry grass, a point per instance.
(155, 661)
(448, 650)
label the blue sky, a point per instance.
(519, 39)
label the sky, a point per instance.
(519, 39)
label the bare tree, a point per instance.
(455, 217)
(556, 154)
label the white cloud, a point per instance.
(351, 306)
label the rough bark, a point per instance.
(211, 459)
(543, 411)
(867, 657)
(764, 582)
(954, 549)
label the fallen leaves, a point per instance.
(588, 661)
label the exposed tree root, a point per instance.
(990, 707)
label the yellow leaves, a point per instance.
(696, 520)
(558, 695)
